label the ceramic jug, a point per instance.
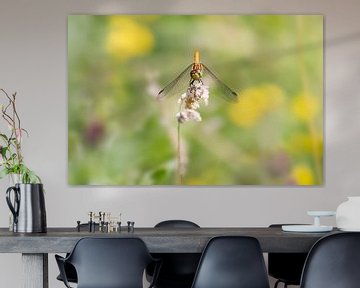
(27, 207)
(348, 215)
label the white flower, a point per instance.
(205, 94)
(195, 93)
(182, 98)
(187, 115)
(181, 117)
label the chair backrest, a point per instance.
(286, 267)
(176, 224)
(178, 269)
(232, 262)
(333, 262)
(110, 262)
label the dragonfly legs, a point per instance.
(196, 81)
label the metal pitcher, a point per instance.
(28, 207)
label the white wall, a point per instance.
(33, 62)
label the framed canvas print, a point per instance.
(195, 100)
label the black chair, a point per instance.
(232, 262)
(286, 267)
(70, 273)
(108, 263)
(178, 269)
(69, 269)
(333, 262)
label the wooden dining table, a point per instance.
(35, 247)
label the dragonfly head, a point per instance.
(196, 73)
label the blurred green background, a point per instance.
(119, 134)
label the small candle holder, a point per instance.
(316, 227)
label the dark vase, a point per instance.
(27, 207)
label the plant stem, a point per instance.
(179, 176)
(15, 125)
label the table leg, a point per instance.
(35, 270)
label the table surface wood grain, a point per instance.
(158, 240)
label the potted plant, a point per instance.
(26, 197)
(11, 159)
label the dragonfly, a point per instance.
(197, 71)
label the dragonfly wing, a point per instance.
(227, 93)
(169, 88)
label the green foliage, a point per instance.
(27, 175)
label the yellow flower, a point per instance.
(305, 107)
(304, 143)
(127, 38)
(302, 175)
(255, 103)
